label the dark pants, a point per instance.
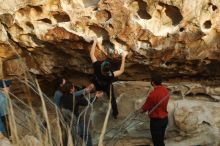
(75, 131)
(102, 85)
(5, 121)
(157, 129)
(86, 137)
(113, 102)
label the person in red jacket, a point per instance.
(156, 105)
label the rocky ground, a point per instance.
(193, 116)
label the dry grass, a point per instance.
(24, 119)
(27, 120)
(45, 125)
(101, 138)
(33, 127)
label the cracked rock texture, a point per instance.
(178, 38)
(48, 37)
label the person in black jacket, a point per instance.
(69, 102)
(104, 75)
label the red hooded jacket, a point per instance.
(160, 93)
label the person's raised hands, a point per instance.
(99, 40)
(89, 88)
(95, 39)
(124, 53)
(99, 94)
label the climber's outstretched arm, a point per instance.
(122, 68)
(100, 46)
(92, 51)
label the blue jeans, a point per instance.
(2, 126)
(81, 131)
(76, 131)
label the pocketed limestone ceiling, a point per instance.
(47, 37)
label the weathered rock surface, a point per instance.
(4, 141)
(176, 38)
(179, 39)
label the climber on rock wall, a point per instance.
(103, 74)
(156, 105)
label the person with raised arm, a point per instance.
(104, 75)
